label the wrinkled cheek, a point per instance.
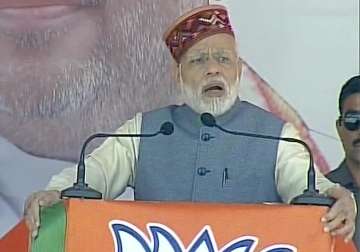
(349, 148)
(81, 42)
(29, 75)
(53, 49)
(356, 154)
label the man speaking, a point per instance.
(199, 163)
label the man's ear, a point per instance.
(338, 126)
(178, 72)
(239, 65)
(175, 71)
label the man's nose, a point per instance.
(212, 68)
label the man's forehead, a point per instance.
(352, 102)
(210, 49)
(219, 42)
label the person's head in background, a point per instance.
(69, 68)
(348, 124)
(203, 45)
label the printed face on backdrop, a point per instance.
(70, 68)
(77, 67)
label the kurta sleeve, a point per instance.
(292, 167)
(111, 167)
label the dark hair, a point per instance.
(352, 86)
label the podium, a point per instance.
(115, 226)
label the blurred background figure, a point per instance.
(347, 173)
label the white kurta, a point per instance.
(111, 167)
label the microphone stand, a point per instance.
(310, 195)
(80, 189)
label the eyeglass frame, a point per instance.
(349, 119)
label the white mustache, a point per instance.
(213, 81)
(194, 98)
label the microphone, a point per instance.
(167, 128)
(311, 195)
(80, 189)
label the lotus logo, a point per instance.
(129, 238)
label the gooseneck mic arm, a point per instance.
(310, 195)
(80, 189)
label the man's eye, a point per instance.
(224, 59)
(196, 60)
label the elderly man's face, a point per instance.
(350, 138)
(69, 70)
(209, 74)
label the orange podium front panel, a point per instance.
(118, 226)
(196, 227)
(17, 240)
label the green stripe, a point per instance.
(51, 237)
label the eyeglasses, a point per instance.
(351, 121)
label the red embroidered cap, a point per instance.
(194, 26)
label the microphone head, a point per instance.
(167, 128)
(208, 119)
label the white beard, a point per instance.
(213, 105)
